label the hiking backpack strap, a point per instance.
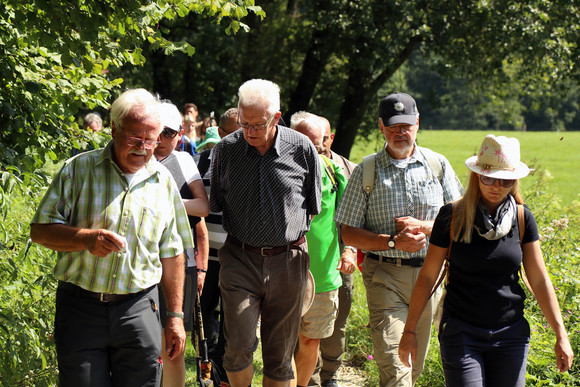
(368, 173)
(521, 226)
(433, 161)
(329, 168)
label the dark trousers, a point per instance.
(477, 357)
(212, 313)
(108, 344)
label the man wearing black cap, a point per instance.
(390, 219)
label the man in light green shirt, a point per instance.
(119, 226)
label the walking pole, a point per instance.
(201, 345)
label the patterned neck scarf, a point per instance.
(493, 228)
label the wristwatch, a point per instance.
(391, 242)
(175, 314)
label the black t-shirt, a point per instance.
(483, 287)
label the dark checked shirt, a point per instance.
(266, 200)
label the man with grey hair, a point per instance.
(333, 347)
(266, 181)
(326, 264)
(391, 220)
(116, 219)
(93, 122)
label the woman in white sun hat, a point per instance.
(483, 334)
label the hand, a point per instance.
(103, 242)
(408, 221)
(346, 264)
(410, 239)
(174, 336)
(564, 354)
(408, 346)
(200, 281)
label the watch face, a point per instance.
(391, 244)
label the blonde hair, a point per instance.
(464, 209)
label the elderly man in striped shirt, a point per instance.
(116, 219)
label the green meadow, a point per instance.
(558, 153)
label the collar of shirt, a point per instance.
(275, 146)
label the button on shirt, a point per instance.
(90, 191)
(410, 191)
(266, 200)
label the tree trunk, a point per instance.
(312, 67)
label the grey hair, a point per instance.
(260, 93)
(93, 117)
(136, 104)
(309, 119)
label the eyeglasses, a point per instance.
(505, 183)
(398, 128)
(170, 133)
(246, 125)
(137, 142)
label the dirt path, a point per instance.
(350, 376)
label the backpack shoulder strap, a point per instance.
(368, 173)
(433, 161)
(329, 168)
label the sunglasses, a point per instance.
(505, 183)
(169, 133)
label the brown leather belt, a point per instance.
(266, 250)
(103, 297)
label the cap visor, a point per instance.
(402, 119)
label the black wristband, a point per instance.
(202, 270)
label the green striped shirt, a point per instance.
(90, 191)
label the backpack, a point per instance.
(368, 168)
(368, 179)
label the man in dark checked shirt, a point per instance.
(267, 182)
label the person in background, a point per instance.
(212, 137)
(119, 226)
(323, 248)
(266, 180)
(483, 334)
(188, 142)
(392, 224)
(211, 308)
(202, 128)
(190, 109)
(333, 347)
(185, 174)
(93, 121)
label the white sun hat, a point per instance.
(499, 157)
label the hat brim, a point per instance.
(207, 141)
(410, 119)
(519, 172)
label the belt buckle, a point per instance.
(265, 247)
(101, 297)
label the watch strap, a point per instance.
(175, 314)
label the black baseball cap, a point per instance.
(398, 108)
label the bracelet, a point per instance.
(410, 333)
(175, 314)
(202, 270)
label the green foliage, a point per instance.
(27, 357)
(56, 59)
